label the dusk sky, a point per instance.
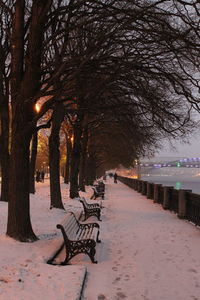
(188, 150)
(191, 149)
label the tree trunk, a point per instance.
(4, 130)
(32, 162)
(19, 224)
(83, 161)
(75, 161)
(90, 173)
(24, 85)
(54, 158)
(68, 159)
(90, 170)
(4, 150)
(4, 175)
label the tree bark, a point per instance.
(32, 162)
(19, 224)
(68, 159)
(90, 169)
(82, 174)
(34, 155)
(75, 161)
(54, 158)
(25, 83)
(4, 152)
(4, 128)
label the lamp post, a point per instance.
(137, 164)
(37, 107)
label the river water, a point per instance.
(179, 178)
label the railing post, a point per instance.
(149, 190)
(156, 192)
(136, 184)
(144, 190)
(132, 183)
(182, 203)
(139, 186)
(166, 196)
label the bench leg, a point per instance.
(98, 240)
(66, 261)
(92, 254)
(98, 216)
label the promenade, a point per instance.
(146, 252)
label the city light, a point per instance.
(37, 107)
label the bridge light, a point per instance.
(178, 185)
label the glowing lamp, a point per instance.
(37, 107)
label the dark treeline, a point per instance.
(114, 76)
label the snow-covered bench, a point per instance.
(78, 238)
(92, 209)
(98, 190)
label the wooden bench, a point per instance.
(93, 205)
(90, 209)
(98, 191)
(78, 238)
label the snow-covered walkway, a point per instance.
(146, 252)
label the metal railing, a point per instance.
(182, 202)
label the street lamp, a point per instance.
(137, 164)
(37, 107)
(72, 139)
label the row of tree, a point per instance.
(117, 76)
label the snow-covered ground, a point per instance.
(146, 253)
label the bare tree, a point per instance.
(54, 157)
(135, 56)
(68, 133)
(4, 104)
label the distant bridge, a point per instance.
(193, 162)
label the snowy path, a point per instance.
(146, 252)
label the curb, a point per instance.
(82, 285)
